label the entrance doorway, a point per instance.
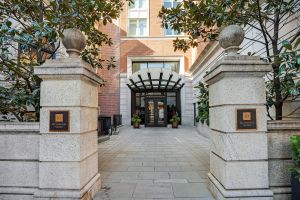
(155, 95)
(155, 108)
(156, 114)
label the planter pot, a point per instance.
(295, 187)
(174, 125)
(136, 125)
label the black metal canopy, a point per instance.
(155, 80)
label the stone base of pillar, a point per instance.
(86, 193)
(282, 193)
(220, 193)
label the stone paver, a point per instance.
(154, 163)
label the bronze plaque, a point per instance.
(59, 121)
(246, 119)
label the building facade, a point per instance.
(150, 79)
(156, 82)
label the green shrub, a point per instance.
(295, 146)
(175, 118)
(203, 104)
(136, 119)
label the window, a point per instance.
(171, 4)
(138, 18)
(138, 4)
(170, 31)
(137, 27)
(172, 65)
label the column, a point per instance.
(68, 154)
(238, 122)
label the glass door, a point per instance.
(156, 112)
(150, 115)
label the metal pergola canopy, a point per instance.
(155, 80)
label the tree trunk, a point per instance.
(278, 95)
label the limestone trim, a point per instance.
(67, 68)
(20, 127)
(275, 125)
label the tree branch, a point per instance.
(255, 40)
(291, 40)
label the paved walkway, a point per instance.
(154, 163)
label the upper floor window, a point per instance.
(137, 27)
(171, 3)
(169, 31)
(138, 4)
(137, 18)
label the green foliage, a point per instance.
(29, 34)
(203, 104)
(175, 118)
(203, 20)
(295, 146)
(136, 119)
(288, 74)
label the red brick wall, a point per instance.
(109, 94)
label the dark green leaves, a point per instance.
(203, 103)
(29, 34)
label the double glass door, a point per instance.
(156, 114)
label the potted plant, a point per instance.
(175, 120)
(136, 120)
(295, 169)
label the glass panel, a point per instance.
(132, 27)
(132, 5)
(155, 65)
(169, 31)
(151, 113)
(142, 4)
(168, 3)
(138, 4)
(175, 3)
(171, 105)
(143, 26)
(161, 112)
(137, 66)
(174, 66)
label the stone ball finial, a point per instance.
(74, 41)
(231, 37)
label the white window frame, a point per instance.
(136, 14)
(138, 30)
(147, 6)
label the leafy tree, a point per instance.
(201, 20)
(29, 34)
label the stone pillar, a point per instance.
(239, 153)
(68, 167)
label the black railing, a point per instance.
(117, 120)
(104, 125)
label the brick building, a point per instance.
(141, 45)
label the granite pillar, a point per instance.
(239, 156)
(68, 159)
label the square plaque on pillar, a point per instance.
(59, 121)
(246, 119)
